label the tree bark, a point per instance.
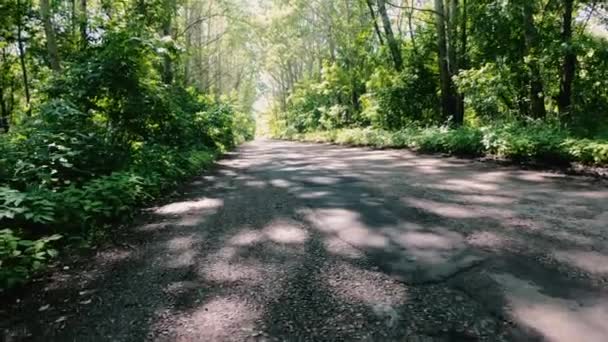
(537, 96)
(448, 105)
(26, 83)
(166, 28)
(4, 115)
(188, 43)
(375, 21)
(564, 102)
(83, 23)
(464, 63)
(453, 61)
(410, 27)
(393, 45)
(51, 43)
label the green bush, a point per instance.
(21, 258)
(587, 151)
(109, 138)
(526, 142)
(518, 141)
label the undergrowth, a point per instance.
(522, 142)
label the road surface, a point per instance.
(288, 241)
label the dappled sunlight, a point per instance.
(564, 235)
(470, 184)
(337, 246)
(586, 261)
(153, 227)
(217, 319)
(312, 194)
(322, 180)
(258, 184)
(589, 194)
(226, 252)
(187, 206)
(246, 237)
(181, 243)
(485, 199)
(189, 220)
(181, 259)
(535, 177)
(346, 225)
(182, 251)
(489, 240)
(428, 240)
(556, 319)
(429, 169)
(223, 271)
(357, 285)
(285, 232)
(443, 209)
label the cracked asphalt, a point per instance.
(287, 241)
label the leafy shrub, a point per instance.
(387, 107)
(21, 258)
(587, 151)
(23, 207)
(526, 142)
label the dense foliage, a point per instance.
(519, 79)
(101, 120)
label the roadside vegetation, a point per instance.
(106, 106)
(523, 80)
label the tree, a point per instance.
(49, 30)
(393, 45)
(448, 103)
(83, 22)
(537, 94)
(569, 62)
(21, 48)
(372, 13)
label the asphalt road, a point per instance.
(287, 241)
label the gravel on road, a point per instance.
(287, 241)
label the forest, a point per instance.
(108, 105)
(523, 80)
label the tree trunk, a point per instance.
(51, 43)
(464, 63)
(452, 32)
(376, 27)
(84, 39)
(537, 97)
(447, 99)
(4, 115)
(393, 45)
(410, 28)
(453, 61)
(26, 84)
(167, 65)
(188, 44)
(569, 65)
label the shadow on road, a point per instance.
(286, 241)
